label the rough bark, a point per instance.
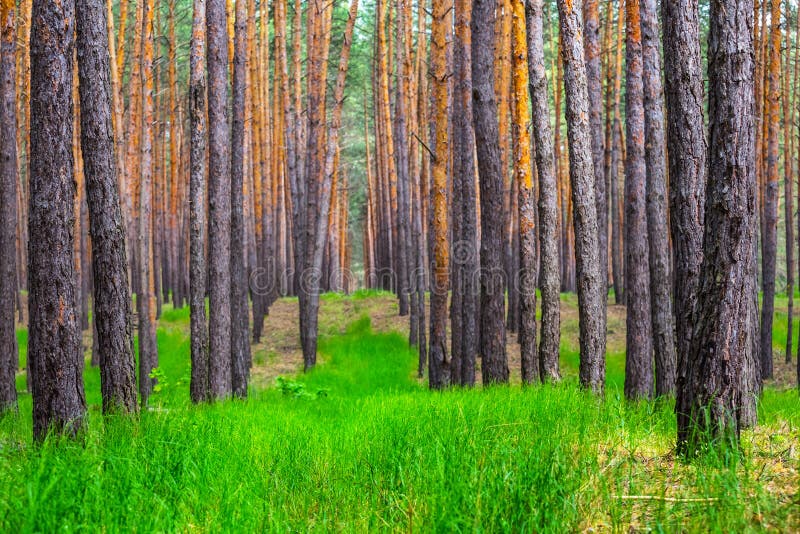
(54, 345)
(523, 173)
(200, 380)
(594, 85)
(494, 362)
(465, 243)
(240, 320)
(219, 202)
(112, 300)
(145, 298)
(9, 355)
(550, 270)
(638, 323)
(710, 394)
(686, 148)
(401, 157)
(769, 239)
(591, 287)
(660, 260)
(440, 372)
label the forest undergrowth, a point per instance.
(360, 444)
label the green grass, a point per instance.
(358, 444)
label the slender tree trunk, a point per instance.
(145, 299)
(401, 156)
(54, 344)
(686, 148)
(9, 354)
(788, 196)
(219, 200)
(591, 300)
(329, 168)
(464, 340)
(616, 161)
(523, 171)
(710, 391)
(440, 372)
(550, 270)
(591, 51)
(769, 241)
(240, 324)
(638, 333)
(494, 362)
(200, 381)
(660, 260)
(112, 301)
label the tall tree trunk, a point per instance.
(112, 300)
(660, 260)
(9, 354)
(440, 372)
(219, 201)
(769, 240)
(594, 85)
(240, 321)
(464, 340)
(591, 286)
(616, 161)
(523, 172)
(494, 362)
(788, 182)
(401, 155)
(145, 299)
(321, 232)
(200, 380)
(686, 148)
(54, 344)
(638, 324)
(710, 390)
(550, 270)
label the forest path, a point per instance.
(279, 352)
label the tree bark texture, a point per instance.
(112, 300)
(550, 269)
(494, 362)
(591, 286)
(54, 345)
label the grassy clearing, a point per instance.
(360, 445)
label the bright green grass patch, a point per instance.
(377, 451)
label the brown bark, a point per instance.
(145, 298)
(638, 323)
(710, 394)
(320, 234)
(549, 274)
(200, 380)
(9, 354)
(660, 261)
(240, 321)
(591, 300)
(523, 172)
(464, 339)
(112, 300)
(686, 148)
(439, 371)
(54, 355)
(769, 239)
(219, 201)
(591, 51)
(494, 362)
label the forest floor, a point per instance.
(360, 444)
